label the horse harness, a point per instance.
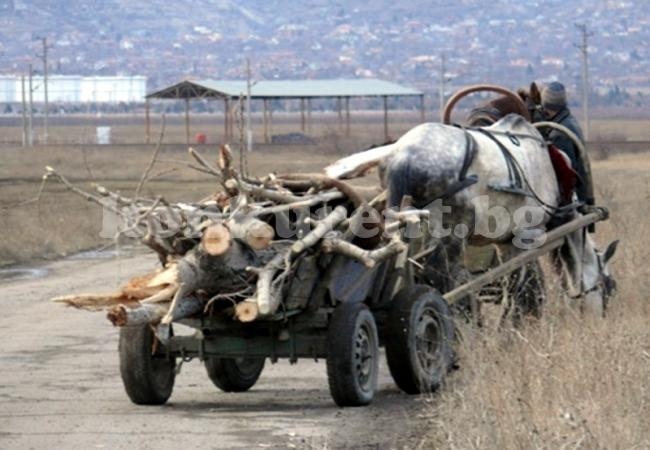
(518, 183)
(515, 174)
(464, 181)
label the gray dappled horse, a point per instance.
(501, 188)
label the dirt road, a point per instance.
(60, 385)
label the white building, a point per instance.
(8, 86)
(76, 89)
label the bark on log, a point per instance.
(324, 226)
(266, 299)
(152, 313)
(369, 258)
(306, 203)
(322, 182)
(149, 288)
(92, 302)
(198, 270)
(255, 232)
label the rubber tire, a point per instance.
(227, 373)
(344, 328)
(405, 315)
(148, 380)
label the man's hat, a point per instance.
(554, 96)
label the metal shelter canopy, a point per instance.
(304, 90)
(278, 89)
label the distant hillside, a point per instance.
(505, 41)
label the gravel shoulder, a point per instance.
(60, 385)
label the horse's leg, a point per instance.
(524, 289)
(528, 292)
(446, 271)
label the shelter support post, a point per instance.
(308, 116)
(339, 108)
(226, 117)
(302, 115)
(422, 117)
(147, 121)
(385, 117)
(347, 116)
(231, 120)
(187, 121)
(270, 120)
(265, 117)
(24, 111)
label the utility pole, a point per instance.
(43, 57)
(584, 50)
(249, 131)
(30, 123)
(443, 82)
(24, 109)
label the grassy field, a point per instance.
(564, 381)
(365, 126)
(561, 382)
(61, 223)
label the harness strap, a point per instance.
(513, 173)
(517, 175)
(464, 181)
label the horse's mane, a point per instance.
(512, 122)
(505, 105)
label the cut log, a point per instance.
(267, 302)
(255, 232)
(149, 288)
(309, 201)
(369, 258)
(216, 239)
(92, 302)
(123, 315)
(322, 182)
(324, 226)
(198, 270)
(247, 311)
(150, 284)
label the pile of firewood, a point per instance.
(226, 249)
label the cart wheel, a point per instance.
(148, 378)
(234, 374)
(353, 355)
(419, 338)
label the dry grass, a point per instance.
(564, 381)
(130, 129)
(63, 223)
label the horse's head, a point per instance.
(599, 284)
(532, 97)
(607, 280)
